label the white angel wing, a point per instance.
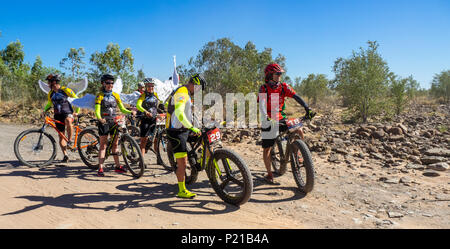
(163, 89)
(118, 85)
(87, 101)
(131, 98)
(78, 87)
(44, 87)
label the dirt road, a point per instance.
(71, 196)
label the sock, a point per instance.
(181, 186)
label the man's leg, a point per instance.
(69, 125)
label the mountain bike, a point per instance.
(289, 147)
(157, 135)
(129, 149)
(227, 172)
(37, 148)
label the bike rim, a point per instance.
(89, 147)
(35, 148)
(229, 178)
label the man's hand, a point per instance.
(196, 131)
(102, 120)
(149, 114)
(310, 114)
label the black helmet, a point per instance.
(106, 77)
(52, 77)
(197, 79)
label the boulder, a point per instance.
(395, 131)
(432, 159)
(439, 166)
(438, 152)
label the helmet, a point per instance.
(141, 84)
(271, 69)
(106, 77)
(198, 79)
(52, 77)
(149, 81)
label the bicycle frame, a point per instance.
(52, 123)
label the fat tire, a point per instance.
(307, 164)
(220, 154)
(279, 167)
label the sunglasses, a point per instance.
(278, 73)
(109, 83)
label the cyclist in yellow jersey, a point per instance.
(178, 125)
(106, 103)
(63, 111)
(147, 104)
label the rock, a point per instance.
(396, 138)
(378, 134)
(377, 156)
(405, 180)
(395, 131)
(404, 129)
(438, 152)
(431, 173)
(439, 166)
(395, 215)
(414, 166)
(334, 158)
(338, 141)
(432, 159)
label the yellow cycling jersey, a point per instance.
(182, 115)
(106, 104)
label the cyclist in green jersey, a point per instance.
(178, 125)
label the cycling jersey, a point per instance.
(148, 102)
(181, 116)
(106, 104)
(283, 90)
(60, 102)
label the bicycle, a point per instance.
(129, 149)
(289, 147)
(157, 134)
(227, 172)
(30, 146)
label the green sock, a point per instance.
(181, 186)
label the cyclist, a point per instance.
(106, 103)
(141, 87)
(63, 111)
(178, 125)
(147, 104)
(274, 88)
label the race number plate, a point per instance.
(161, 119)
(294, 123)
(214, 135)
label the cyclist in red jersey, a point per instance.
(272, 104)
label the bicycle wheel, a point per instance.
(89, 146)
(230, 177)
(134, 131)
(35, 148)
(131, 153)
(277, 153)
(302, 166)
(191, 173)
(161, 152)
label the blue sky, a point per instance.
(414, 36)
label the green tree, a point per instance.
(230, 68)
(114, 61)
(73, 62)
(362, 80)
(440, 86)
(398, 92)
(314, 87)
(13, 55)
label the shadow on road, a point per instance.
(141, 194)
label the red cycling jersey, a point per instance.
(283, 90)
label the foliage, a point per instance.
(440, 86)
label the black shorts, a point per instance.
(147, 126)
(267, 143)
(61, 118)
(105, 129)
(178, 140)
